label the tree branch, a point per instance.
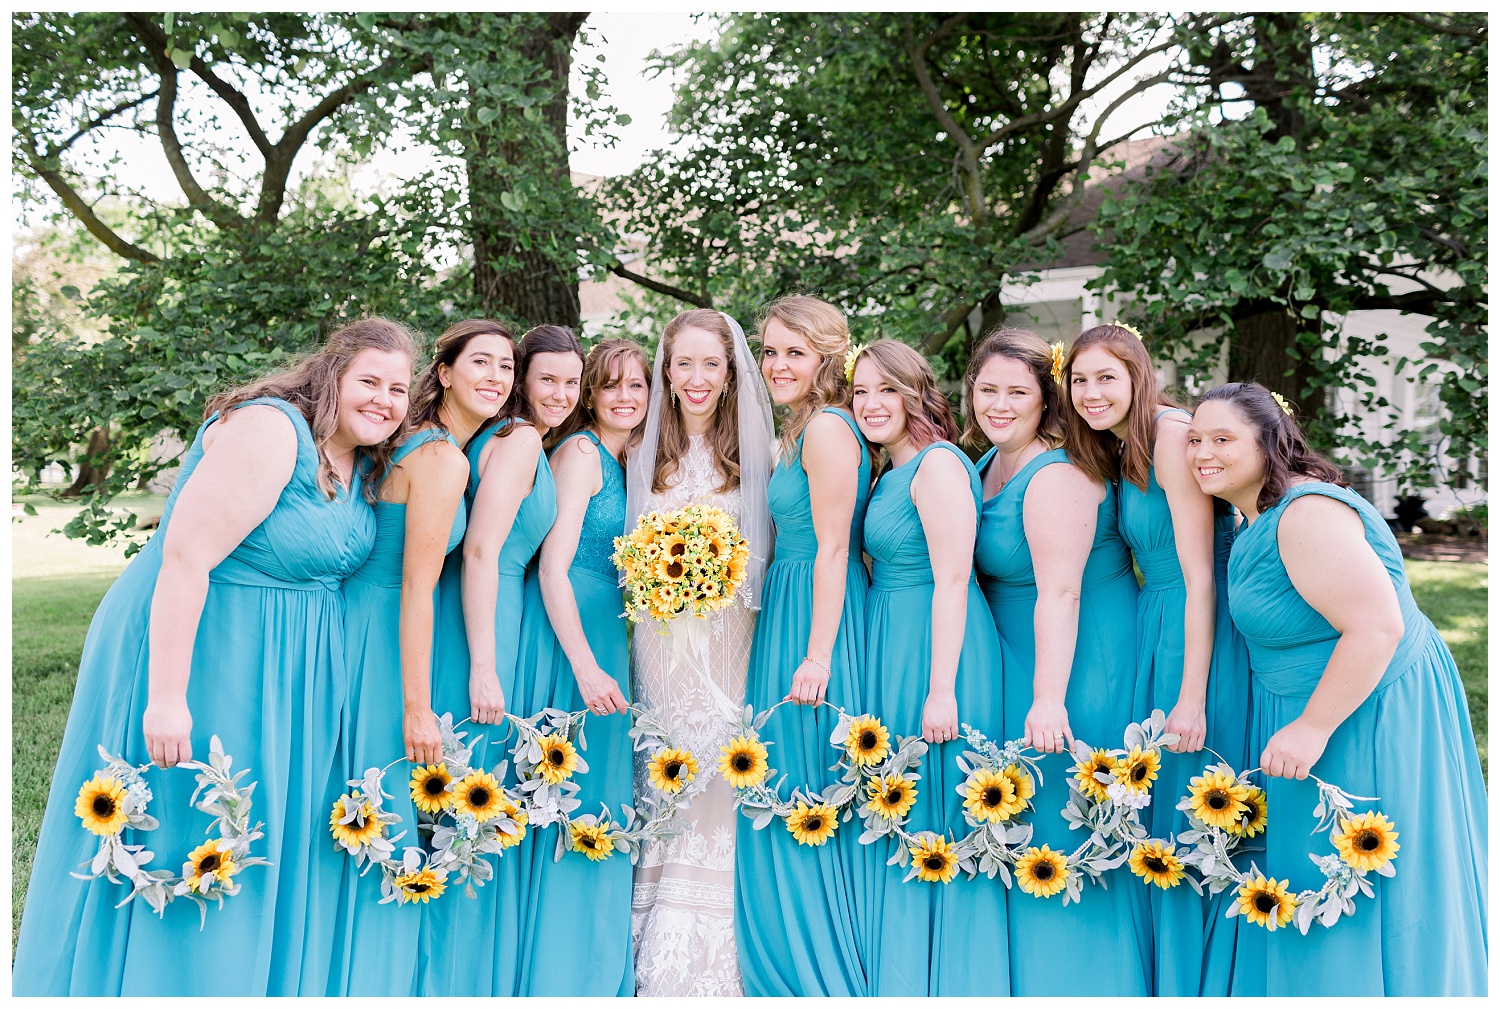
(697, 301)
(197, 197)
(968, 153)
(279, 158)
(1437, 26)
(96, 122)
(80, 209)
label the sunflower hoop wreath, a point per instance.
(117, 797)
(811, 816)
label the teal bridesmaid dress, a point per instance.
(473, 946)
(1101, 692)
(1194, 942)
(575, 914)
(377, 944)
(795, 919)
(268, 678)
(919, 938)
(1410, 744)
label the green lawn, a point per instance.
(50, 616)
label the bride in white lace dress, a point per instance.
(707, 440)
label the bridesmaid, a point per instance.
(796, 919)
(584, 664)
(1059, 585)
(419, 519)
(473, 946)
(229, 622)
(1190, 662)
(933, 661)
(1351, 683)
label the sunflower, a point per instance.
(812, 824)
(479, 795)
(674, 545)
(743, 764)
(1218, 799)
(671, 569)
(891, 796)
(1042, 872)
(1025, 787)
(1367, 841)
(1157, 862)
(990, 797)
(1083, 772)
(671, 769)
(518, 815)
(1265, 902)
(593, 840)
(868, 741)
(715, 545)
(934, 859)
(1253, 820)
(363, 829)
(429, 788)
(422, 886)
(1138, 769)
(208, 864)
(101, 805)
(559, 759)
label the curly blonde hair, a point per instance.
(826, 331)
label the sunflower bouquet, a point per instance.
(810, 816)
(117, 797)
(689, 560)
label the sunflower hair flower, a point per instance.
(812, 825)
(429, 788)
(743, 763)
(1286, 407)
(851, 357)
(1042, 872)
(868, 742)
(1127, 327)
(1157, 863)
(1265, 902)
(891, 796)
(1059, 361)
(1367, 841)
(671, 769)
(101, 805)
(935, 859)
(559, 759)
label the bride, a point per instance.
(707, 441)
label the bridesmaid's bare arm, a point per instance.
(940, 490)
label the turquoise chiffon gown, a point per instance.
(1194, 941)
(377, 943)
(1410, 744)
(1101, 692)
(795, 919)
(473, 946)
(268, 678)
(926, 938)
(575, 930)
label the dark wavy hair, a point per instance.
(604, 367)
(427, 397)
(1031, 350)
(1099, 453)
(1281, 440)
(312, 386)
(537, 340)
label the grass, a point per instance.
(1456, 598)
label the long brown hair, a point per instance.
(1031, 350)
(1281, 440)
(604, 367)
(428, 395)
(929, 417)
(827, 332)
(1099, 453)
(724, 432)
(312, 386)
(537, 340)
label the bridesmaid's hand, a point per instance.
(419, 730)
(1047, 728)
(1190, 722)
(809, 684)
(486, 699)
(940, 717)
(1293, 751)
(167, 725)
(601, 694)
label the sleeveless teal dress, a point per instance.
(1410, 744)
(1101, 689)
(576, 913)
(473, 946)
(268, 678)
(926, 938)
(1194, 942)
(377, 944)
(796, 921)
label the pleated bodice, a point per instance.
(534, 517)
(893, 529)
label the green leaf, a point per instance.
(181, 58)
(1278, 259)
(487, 116)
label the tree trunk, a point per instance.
(1264, 349)
(90, 475)
(524, 286)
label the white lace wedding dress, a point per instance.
(683, 913)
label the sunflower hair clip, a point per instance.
(117, 797)
(850, 357)
(1127, 327)
(1059, 359)
(1286, 407)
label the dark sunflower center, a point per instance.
(993, 796)
(417, 887)
(1138, 772)
(678, 549)
(740, 762)
(588, 842)
(894, 796)
(934, 862)
(434, 786)
(1155, 864)
(713, 549)
(1043, 871)
(813, 823)
(673, 768)
(479, 796)
(674, 569)
(103, 806)
(1217, 799)
(867, 740)
(1265, 903)
(1367, 840)
(209, 864)
(555, 756)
